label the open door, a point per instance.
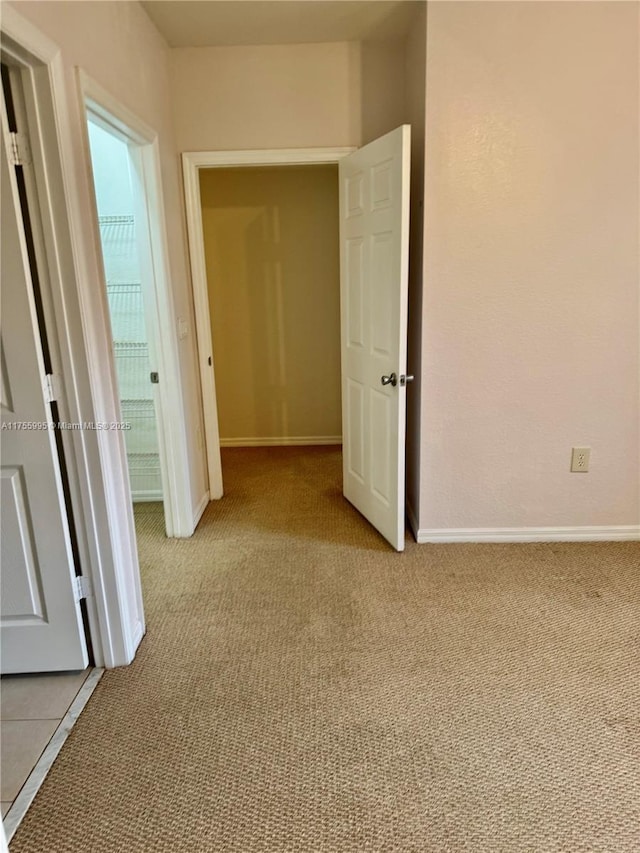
(40, 618)
(374, 266)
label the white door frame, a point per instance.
(192, 162)
(48, 632)
(172, 441)
(76, 323)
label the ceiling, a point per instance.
(205, 23)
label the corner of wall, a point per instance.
(415, 93)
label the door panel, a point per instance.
(40, 620)
(21, 592)
(374, 258)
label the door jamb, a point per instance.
(192, 162)
(172, 437)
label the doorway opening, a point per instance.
(265, 270)
(373, 215)
(138, 304)
(122, 237)
(271, 245)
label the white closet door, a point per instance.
(40, 619)
(374, 263)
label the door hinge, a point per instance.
(83, 587)
(20, 150)
(154, 376)
(51, 387)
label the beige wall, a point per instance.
(116, 45)
(529, 308)
(287, 96)
(383, 88)
(530, 316)
(269, 96)
(271, 245)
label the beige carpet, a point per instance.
(302, 688)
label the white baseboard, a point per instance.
(622, 533)
(142, 497)
(284, 441)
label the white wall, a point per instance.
(530, 317)
(117, 45)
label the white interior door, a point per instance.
(40, 619)
(374, 265)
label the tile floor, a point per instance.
(31, 709)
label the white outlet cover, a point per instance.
(580, 460)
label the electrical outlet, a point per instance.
(580, 459)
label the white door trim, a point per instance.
(172, 438)
(95, 459)
(192, 162)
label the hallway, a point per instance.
(303, 688)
